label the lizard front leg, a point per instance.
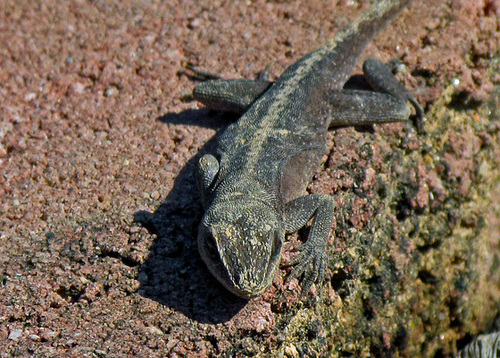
(296, 214)
(208, 167)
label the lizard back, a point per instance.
(276, 145)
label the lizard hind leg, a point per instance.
(228, 95)
(233, 96)
(387, 102)
(381, 79)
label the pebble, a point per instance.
(15, 334)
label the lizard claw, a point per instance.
(310, 264)
(200, 75)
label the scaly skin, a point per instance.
(253, 186)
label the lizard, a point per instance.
(253, 186)
(483, 346)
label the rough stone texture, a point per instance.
(98, 130)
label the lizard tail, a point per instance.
(368, 24)
(336, 58)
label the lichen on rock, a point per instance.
(414, 268)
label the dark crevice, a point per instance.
(126, 260)
(70, 294)
(423, 73)
(403, 208)
(338, 282)
(427, 277)
(463, 100)
(429, 246)
(368, 309)
(463, 342)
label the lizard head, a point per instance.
(241, 245)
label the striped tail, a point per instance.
(335, 60)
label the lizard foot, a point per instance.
(310, 264)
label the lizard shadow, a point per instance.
(174, 274)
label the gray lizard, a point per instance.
(484, 346)
(253, 186)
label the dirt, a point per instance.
(98, 142)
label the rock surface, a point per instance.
(99, 134)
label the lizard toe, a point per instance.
(309, 265)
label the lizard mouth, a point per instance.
(246, 283)
(244, 260)
(252, 280)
